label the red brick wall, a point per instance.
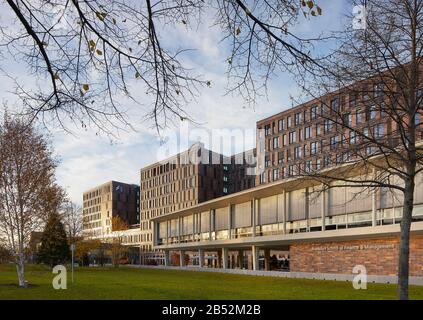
(380, 256)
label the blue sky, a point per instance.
(88, 160)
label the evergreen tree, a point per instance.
(54, 245)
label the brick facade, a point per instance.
(379, 256)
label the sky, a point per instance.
(87, 160)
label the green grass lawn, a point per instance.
(134, 283)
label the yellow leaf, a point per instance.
(99, 52)
(137, 75)
(310, 4)
(238, 31)
(319, 10)
(86, 87)
(99, 16)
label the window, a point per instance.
(323, 108)
(281, 124)
(327, 125)
(307, 166)
(353, 137)
(372, 112)
(284, 140)
(289, 121)
(267, 129)
(358, 116)
(291, 170)
(417, 119)
(333, 142)
(283, 172)
(225, 190)
(318, 129)
(366, 132)
(318, 164)
(314, 112)
(292, 137)
(275, 174)
(305, 150)
(297, 153)
(307, 133)
(379, 130)
(334, 105)
(280, 157)
(297, 118)
(313, 148)
(327, 161)
(275, 143)
(300, 135)
(378, 90)
(262, 178)
(266, 161)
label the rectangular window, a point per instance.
(313, 148)
(353, 137)
(289, 121)
(275, 174)
(280, 157)
(297, 153)
(284, 140)
(281, 124)
(267, 129)
(307, 133)
(292, 137)
(275, 142)
(379, 130)
(297, 118)
(318, 129)
(334, 105)
(314, 111)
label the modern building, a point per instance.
(241, 174)
(183, 181)
(111, 199)
(294, 224)
(306, 137)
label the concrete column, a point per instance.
(154, 233)
(267, 259)
(255, 256)
(181, 258)
(167, 231)
(374, 209)
(219, 258)
(224, 258)
(201, 258)
(229, 222)
(210, 223)
(284, 212)
(166, 258)
(179, 229)
(253, 218)
(306, 208)
(323, 209)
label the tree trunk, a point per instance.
(404, 248)
(20, 268)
